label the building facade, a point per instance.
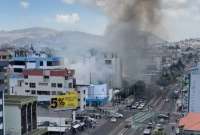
(194, 90)
(83, 91)
(3, 89)
(18, 64)
(113, 62)
(21, 116)
(43, 83)
(97, 95)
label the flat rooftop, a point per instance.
(18, 100)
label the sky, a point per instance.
(181, 18)
(56, 14)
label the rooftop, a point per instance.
(19, 100)
(51, 72)
(191, 122)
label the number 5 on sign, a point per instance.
(67, 101)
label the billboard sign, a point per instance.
(67, 101)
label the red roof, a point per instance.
(50, 72)
(191, 122)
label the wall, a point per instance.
(83, 96)
(13, 120)
(98, 91)
(45, 86)
(194, 92)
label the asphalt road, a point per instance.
(140, 118)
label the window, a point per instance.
(43, 84)
(19, 83)
(108, 62)
(79, 100)
(53, 85)
(83, 91)
(32, 85)
(70, 85)
(43, 92)
(60, 93)
(18, 70)
(66, 77)
(84, 99)
(49, 63)
(53, 93)
(26, 83)
(27, 91)
(41, 63)
(46, 77)
(1, 81)
(19, 63)
(4, 57)
(33, 92)
(59, 85)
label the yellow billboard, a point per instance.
(67, 101)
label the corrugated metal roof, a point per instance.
(191, 122)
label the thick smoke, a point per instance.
(129, 34)
(129, 31)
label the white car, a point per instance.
(119, 115)
(113, 120)
(141, 106)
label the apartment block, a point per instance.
(43, 83)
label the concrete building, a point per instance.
(83, 91)
(5, 55)
(43, 83)
(194, 91)
(113, 62)
(97, 95)
(18, 64)
(3, 89)
(21, 116)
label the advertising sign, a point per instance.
(67, 101)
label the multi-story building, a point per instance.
(194, 91)
(83, 91)
(43, 83)
(97, 95)
(18, 64)
(114, 78)
(21, 116)
(3, 89)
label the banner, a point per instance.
(67, 101)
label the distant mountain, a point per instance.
(70, 44)
(65, 43)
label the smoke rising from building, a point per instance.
(129, 33)
(132, 23)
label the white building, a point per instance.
(32, 62)
(83, 91)
(194, 92)
(97, 95)
(43, 83)
(113, 62)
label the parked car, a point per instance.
(119, 115)
(113, 119)
(147, 131)
(141, 106)
(134, 106)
